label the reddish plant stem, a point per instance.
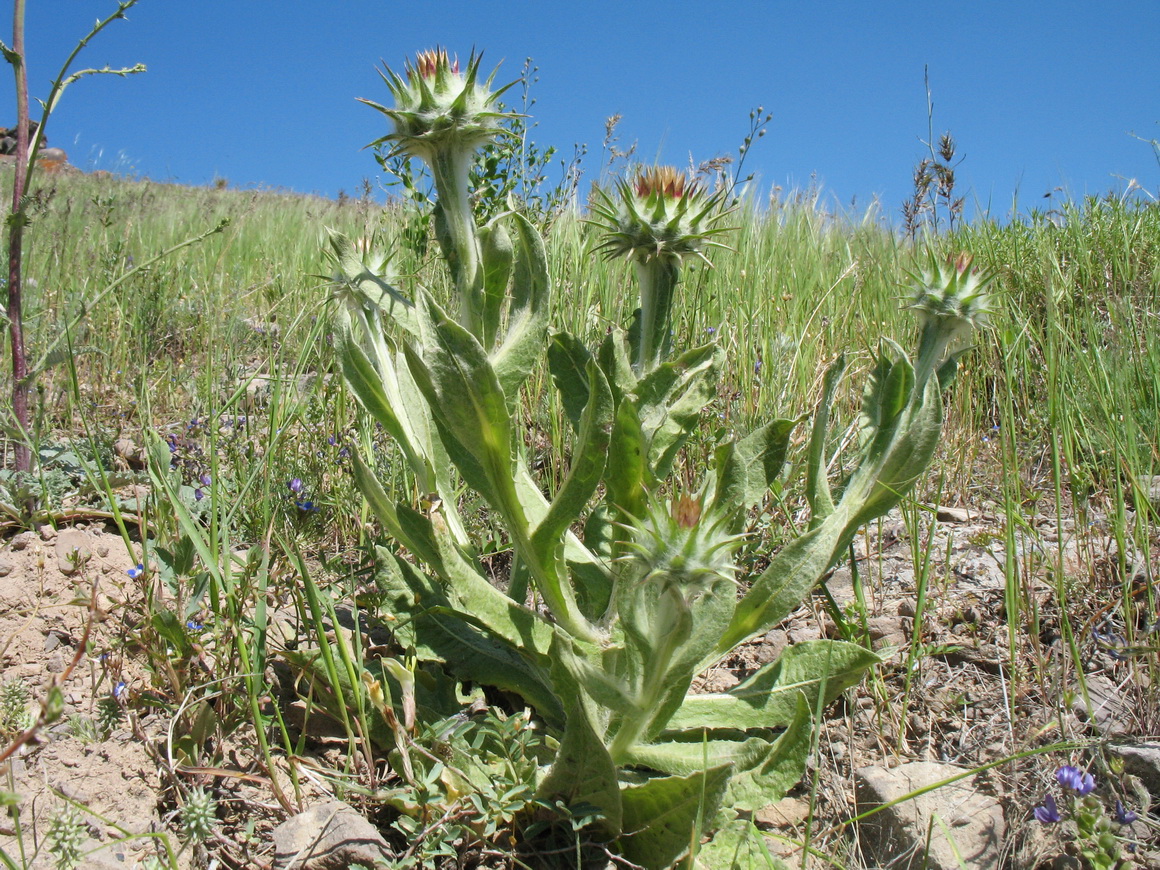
(15, 246)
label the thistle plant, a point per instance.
(658, 221)
(443, 116)
(624, 585)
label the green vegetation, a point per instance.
(435, 521)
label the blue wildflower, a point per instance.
(1076, 780)
(136, 572)
(305, 505)
(1048, 814)
(1124, 816)
(194, 625)
(120, 689)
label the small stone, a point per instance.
(974, 821)
(331, 836)
(786, 813)
(72, 551)
(1110, 713)
(6, 567)
(953, 515)
(887, 631)
(21, 541)
(47, 533)
(1141, 760)
(129, 452)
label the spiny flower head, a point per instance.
(661, 214)
(952, 294)
(682, 547)
(438, 108)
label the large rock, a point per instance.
(947, 828)
(1141, 760)
(330, 836)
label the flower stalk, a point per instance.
(658, 221)
(443, 116)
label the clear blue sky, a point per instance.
(1037, 94)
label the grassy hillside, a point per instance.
(223, 354)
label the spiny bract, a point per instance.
(661, 214)
(438, 108)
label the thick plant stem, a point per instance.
(658, 277)
(458, 237)
(16, 243)
(667, 626)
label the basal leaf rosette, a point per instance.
(658, 221)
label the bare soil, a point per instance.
(70, 614)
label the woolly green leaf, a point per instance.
(568, 362)
(788, 579)
(527, 327)
(661, 815)
(583, 771)
(497, 253)
(670, 401)
(768, 698)
(745, 469)
(625, 474)
(817, 483)
(588, 460)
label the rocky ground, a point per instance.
(946, 703)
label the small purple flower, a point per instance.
(1124, 816)
(331, 441)
(198, 495)
(757, 366)
(205, 479)
(134, 573)
(296, 485)
(1076, 780)
(1048, 814)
